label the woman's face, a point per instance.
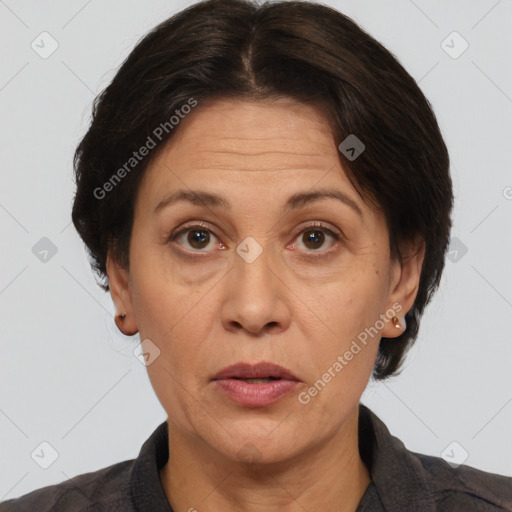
(259, 276)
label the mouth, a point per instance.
(255, 385)
(258, 381)
(262, 372)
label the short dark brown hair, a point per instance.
(298, 49)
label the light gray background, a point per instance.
(70, 379)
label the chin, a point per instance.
(259, 450)
(257, 456)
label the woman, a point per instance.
(266, 193)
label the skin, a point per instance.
(215, 309)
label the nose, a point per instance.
(256, 295)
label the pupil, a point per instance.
(314, 239)
(196, 241)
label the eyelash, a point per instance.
(312, 227)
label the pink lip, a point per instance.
(258, 394)
(254, 371)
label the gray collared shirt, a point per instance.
(402, 481)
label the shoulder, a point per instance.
(465, 487)
(105, 489)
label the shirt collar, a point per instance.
(397, 476)
(146, 489)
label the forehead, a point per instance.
(270, 148)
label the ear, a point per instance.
(404, 285)
(121, 294)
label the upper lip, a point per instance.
(254, 371)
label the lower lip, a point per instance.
(259, 394)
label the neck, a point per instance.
(332, 474)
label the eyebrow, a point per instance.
(301, 199)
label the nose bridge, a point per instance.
(254, 262)
(254, 300)
(260, 249)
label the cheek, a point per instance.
(343, 341)
(160, 297)
(178, 328)
(176, 322)
(349, 303)
(177, 318)
(342, 360)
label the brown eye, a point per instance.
(198, 238)
(313, 239)
(194, 238)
